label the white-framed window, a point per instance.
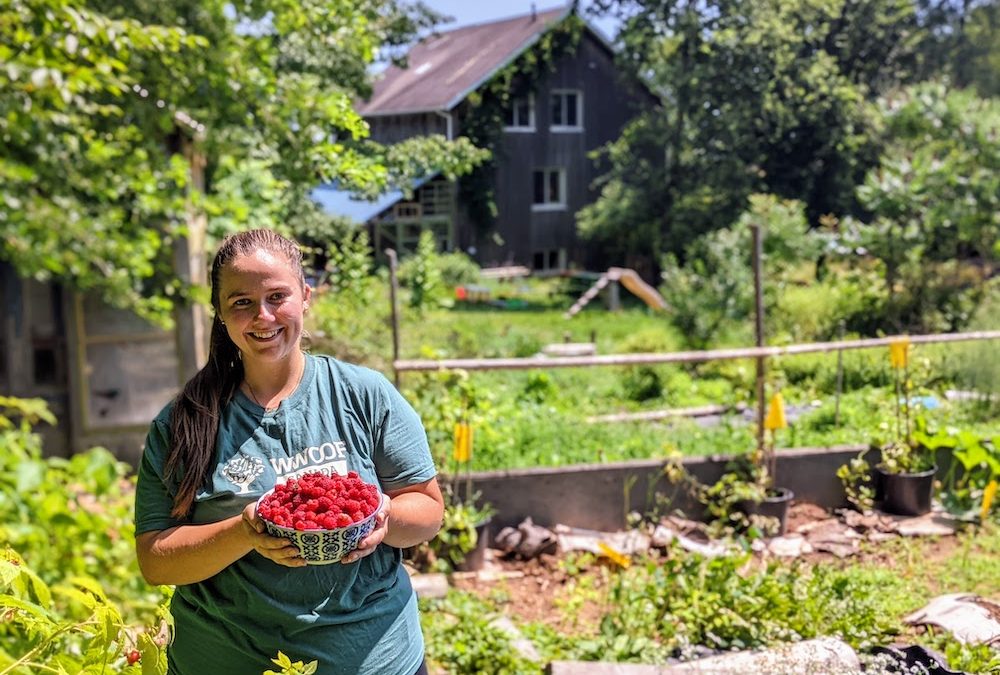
(521, 114)
(567, 110)
(548, 189)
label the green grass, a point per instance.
(540, 417)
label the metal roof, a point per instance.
(337, 202)
(446, 67)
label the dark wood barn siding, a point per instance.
(607, 105)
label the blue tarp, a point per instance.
(339, 202)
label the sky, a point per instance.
(479, 11)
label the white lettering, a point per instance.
(326, 458)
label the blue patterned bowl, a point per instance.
(322, 547)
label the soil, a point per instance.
(542, 589)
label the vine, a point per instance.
(483, 120)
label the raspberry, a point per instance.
(317, 501)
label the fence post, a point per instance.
(840, 375)
(758, 254)
(394, 309)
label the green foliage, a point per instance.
(714, 286)
(71, 596)
(457, 269)
(856, 477)
(689, 600)
(934, 200)
(288, 667)
(975, 462)
(458, 535)
(759, 97)
(351, 320)
(349, 263)
(463, 639)
(421, 274)
(101, 103)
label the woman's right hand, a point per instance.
(276, 549)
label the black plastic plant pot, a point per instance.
(907, 494)
(775, 505)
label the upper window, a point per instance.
(567, 110)
(549, 190)
(521, 114)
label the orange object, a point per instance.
(460, 293)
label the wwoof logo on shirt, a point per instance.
(241, 470)
(328, 458)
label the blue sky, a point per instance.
(478, 11)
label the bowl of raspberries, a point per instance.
(325, 516)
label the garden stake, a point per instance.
(988, 494)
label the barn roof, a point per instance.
(446, 67)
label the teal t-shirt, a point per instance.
(357, 618)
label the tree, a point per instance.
(758, 97)
(99, 99)
(934, 202)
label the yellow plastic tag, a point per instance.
(899, 353)
(463, 442)
(988, 494)
(619, 559)
(775, 418)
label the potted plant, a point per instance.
(905, 473)
(461, 543)
(745, 498)
(765, 498)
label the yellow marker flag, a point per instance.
(619, 559)
(899, 353)
(463, 442)
(988, 494)
(775, 418)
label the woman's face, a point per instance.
(261, 301)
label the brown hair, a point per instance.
(194, 420)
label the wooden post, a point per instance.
(840, 376)
(190, 266)
(394, 309)
(758, 254)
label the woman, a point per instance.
(260, 412)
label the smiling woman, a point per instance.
(252, 418)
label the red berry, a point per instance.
(133, 657)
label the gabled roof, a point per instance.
(446, 67)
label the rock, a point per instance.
(430, 585)
(790, 546)
(527, 540)
(662, 537)
(521, 644)
(629, 542)
(821, 655)
(969, 617)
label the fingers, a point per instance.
(276, 549)
(371, 542)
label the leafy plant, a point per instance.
(463, 637)
(421, 274)
(975, 465)
(71, 596)
(288, 667)
(458, 535)
(856, 478)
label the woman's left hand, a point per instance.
(371, 542)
